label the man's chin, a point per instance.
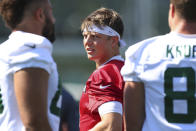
(90, 57)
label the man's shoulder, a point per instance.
(144, 44)
(113, 63)
(108, 72)
(111, 67)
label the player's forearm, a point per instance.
(133, 127)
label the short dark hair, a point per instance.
(104, 17)
(186, 9)
(12, 11)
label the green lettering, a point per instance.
(187, 51)
(169, 51)
(178, 52)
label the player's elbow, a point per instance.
(134, 125)
(36, 124)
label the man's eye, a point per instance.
(84, 36)
(96, 36)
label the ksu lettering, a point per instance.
(185, 51)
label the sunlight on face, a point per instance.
(97, 46)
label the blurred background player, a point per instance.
(69, 113)
(101, 100)
(28, 78)
(160, 75)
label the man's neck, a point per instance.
(184, 27)
(28, 25)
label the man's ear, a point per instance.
(39, 15)
(115, 41)
(172, 7)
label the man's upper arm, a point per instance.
(134, 105)
(31, 89)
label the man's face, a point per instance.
(98, 46)
(48, 30)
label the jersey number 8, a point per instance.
(188, 95)
(1, 103)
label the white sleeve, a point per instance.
(38, 58)
(132, 68)
(111, 106)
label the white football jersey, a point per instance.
(26, 50)
(167, 67)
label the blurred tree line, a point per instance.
(142, 18)
(69, 14)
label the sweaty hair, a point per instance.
(104, 17)
(186, 9)
(12, 11)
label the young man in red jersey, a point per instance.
(101, 101)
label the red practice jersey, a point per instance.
(105, 84)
